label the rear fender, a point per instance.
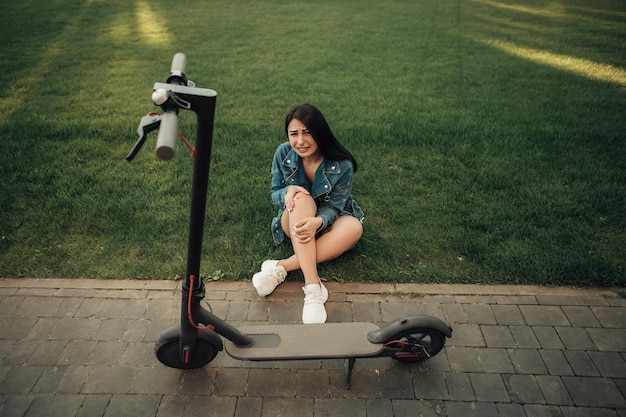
(388, 332)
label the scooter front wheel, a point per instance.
(168, 353)
(416, 345)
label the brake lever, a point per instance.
(146, 125)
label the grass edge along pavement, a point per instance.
(489, 137)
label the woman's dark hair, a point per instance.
(314, 120)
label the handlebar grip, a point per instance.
(179, 63)
(178, 70)
(168, 135)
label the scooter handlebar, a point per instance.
(168, 131)
(168, 135)
(178, 68)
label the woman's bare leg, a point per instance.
(306, 252)
(340, 237)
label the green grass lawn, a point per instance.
(490, 135)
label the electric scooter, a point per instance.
(198, 339)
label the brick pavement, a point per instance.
(86, 348)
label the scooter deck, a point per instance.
(306, 341)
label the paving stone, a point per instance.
(463, 359)
(581, 363)
(89, 308)
(495, 361)
(575, 338)
(467, 335)
(431, 309)
(237, 311)
(556, 362)
(590, 412)
(553, 390)
(430, 386)
(77, 352)
(248, 407)
(557, 300)
(160, 381)
(527, 361)
(489, 388)
(454, 313)
(367, 312)
(198, 382)
(610, 364)
(516, 299)
(133, 405)
(46, 352)
(379, 408)
(107, 380)
(498, 336)
(396, 385)
(135, 330)
(341, 312)
(21, 379)
(69, 307)
(547, 337)
(107, 353)
(74, 329)
(523, 389)
(272, 383)
(393, 311)
(364, 383)
(94, 405)
(258, 311)
(55, 406)
(581, 316)
(473, 409)
(479, 314)
(593, 392)
(459, 387)
(508, 315)
(38, 307)
(544, 315)
(334, 407)
(43, 327)
(16, 405)
(608, 340)
(422, 408)
(110, 329)
(9, 304)
(611, 317)
(16, 327)
(537, 410)
(232, 382)
(286, 312)
(510, 410)
(524, 337)
(73, 379)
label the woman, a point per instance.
(312, 183)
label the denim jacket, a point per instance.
(331, 188)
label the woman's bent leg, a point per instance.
(341, 236)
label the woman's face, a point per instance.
(301, 140)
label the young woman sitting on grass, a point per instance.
(312, 178)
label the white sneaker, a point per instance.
(313, 310)
(270, 277)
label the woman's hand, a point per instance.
(305, 229)
(290, 195)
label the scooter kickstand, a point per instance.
(351, 362)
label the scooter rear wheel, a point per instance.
(416, 345)
(168, 353)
